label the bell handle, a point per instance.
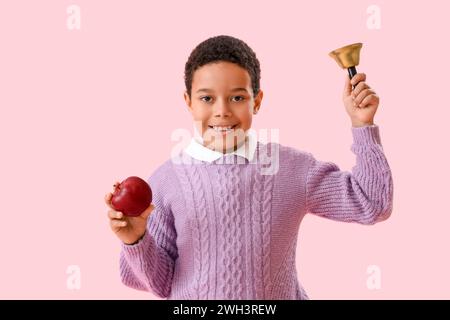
(351, 73)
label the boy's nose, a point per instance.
(222, 110)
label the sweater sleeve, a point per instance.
(364, 195)
(149, 264)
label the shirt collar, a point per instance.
(198, 151)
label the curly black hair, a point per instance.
(223, 48)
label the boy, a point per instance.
(221, 229)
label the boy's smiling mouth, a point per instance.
(223, 128)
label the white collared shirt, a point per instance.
(198, 151)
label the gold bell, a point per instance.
(347, 57)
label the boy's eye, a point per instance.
(206, 99)
(240, 98)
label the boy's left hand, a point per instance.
(360, 103)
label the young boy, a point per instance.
(221, 228)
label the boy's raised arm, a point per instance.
(365, 195)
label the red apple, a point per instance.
(132, 196)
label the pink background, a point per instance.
(81, 109)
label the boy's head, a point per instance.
(222, 78)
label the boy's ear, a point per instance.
(187, 99)
(258, 100)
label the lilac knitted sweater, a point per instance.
(228, 229)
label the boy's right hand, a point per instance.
(127, 229)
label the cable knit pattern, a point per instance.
(226, 230)
(262, 199)
(248, 222)
(265, 215)
(203, 232)
(188, 195)
(224, 209)
(200, 232)
(236, 237)
(257, 235)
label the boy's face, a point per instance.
(222, 104)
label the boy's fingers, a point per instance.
(360, 87)
(357, 78)
(368, 99)
(117, 224)
(362, 95)
(355, 81)
(112, 214)
(347, 86)
(115, 184)
(108, 196)
(108, 200)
